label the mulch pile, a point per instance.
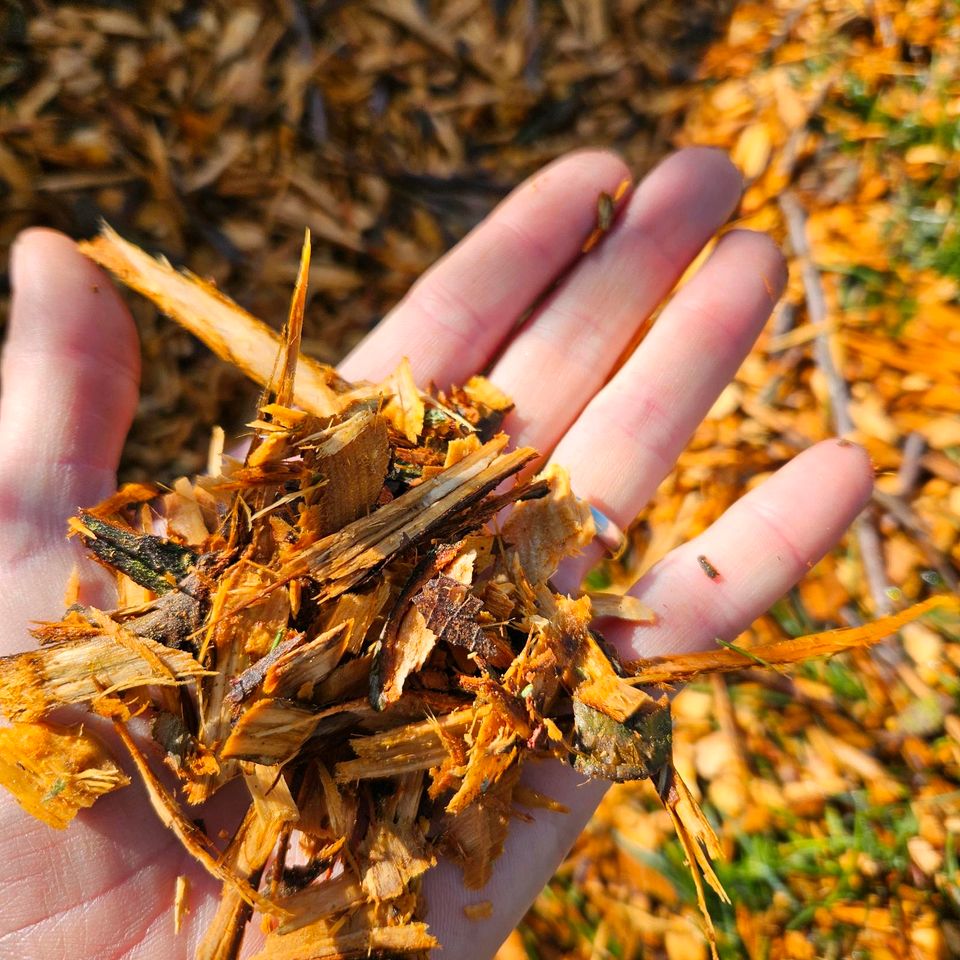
(214, 133)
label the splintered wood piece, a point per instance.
(253, 629)
(395, 848)
(250, 681)
(73, 626)
(411, 632)
(82, 670)
(343, 559)
(681, 803)
(273, 810)
(474, 838)
(357, 611)
(349, 680)
(545, 531)
(271, 796)
(315, 942)
(698, 841)
(292, 333)
(502, 720)
(135, 644)
(485, 393)
(271, 731)
(620, 607)
(403, 651)
(462, 523)
(227, 329)
(246, 856)
(460, 448)
(405, 407)
(232, 642)
(397, 854)
(320, 901)
(480, 404)
(53, 771)
(779, 653)
(181, 903)
(295, 674)
(415, 746)
(493, 753)
(587, 671)
(351, 460)
(340, 802)
(184, 515)
(128, 494)
(187, 832)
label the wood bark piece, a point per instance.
(246, 856)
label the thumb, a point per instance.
(70, 376)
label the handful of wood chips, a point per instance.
(357, 621)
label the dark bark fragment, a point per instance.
(153, 562)
(633, 750)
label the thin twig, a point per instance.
(871, 547)
(871, 553)
(532, 68)
(908, 519)
(786, 28)
(913, 450)
(783, 322)
(818, 315)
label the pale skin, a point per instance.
(103, 889)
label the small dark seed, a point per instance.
(708, 568)
(604, 211)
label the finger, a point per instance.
(70, 374)
(566, 351)
(630, 435)
(452, 321)
(69, 371)
(762, 546)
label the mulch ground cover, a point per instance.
(214, 133)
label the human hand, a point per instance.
(104, 887)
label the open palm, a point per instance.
(103, 888)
